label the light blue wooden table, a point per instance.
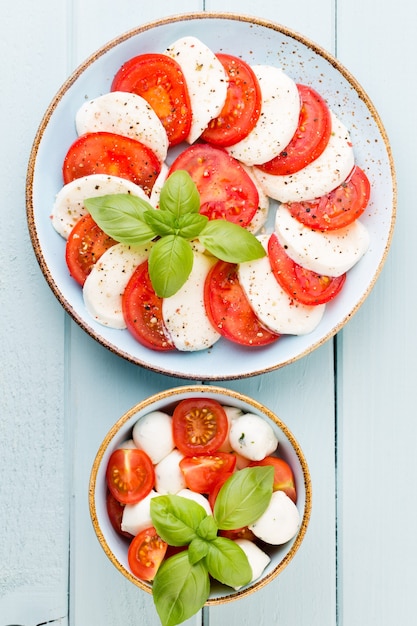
(351, 403)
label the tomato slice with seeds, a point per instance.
(160, 81)
(130, 475)
(202, 472)
(146, 553)
(242, 107)
(108, 153)
(199, 426)
(86, 243)
(302, 284)
(310, 139)
(339, 208)
(226, 190)
(142, 311)
(229, 310)
(283, 475)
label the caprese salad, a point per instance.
(246, 135)
(194, 490)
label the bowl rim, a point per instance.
(173, 396)
(188, 16)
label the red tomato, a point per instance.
(115, 513)
(310, 138)
(202, 472)
(142, 311)
(146, 553)
(339, 208)
(229, 310)
(238, 533)
(85, 245)
(214, 491)
(301, 284)
(283, 475)
(242, 107)
(226, 190)
(107, 153)
(199, 426)
(130, 475)
(160, 81)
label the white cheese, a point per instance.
(278, 121)
(331, 253)
(168, 475)
(124, 114)
(196, 497)
(258, 559)
(137, 517)
(153, 434)
(252, 437)
(206, 81)
(280, 522)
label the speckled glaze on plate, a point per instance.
(256, 41)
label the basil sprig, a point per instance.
(182, 583)
(134, 221)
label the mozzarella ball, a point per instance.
(153, 434)
(252, 437)
(137, 517)
(196, 497)
(280, 522)
(168, 475)
(258, 559)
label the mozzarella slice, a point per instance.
(261, 214)
(105, 285)
(205, 78)
(159, 183)
(278, 121)
(184, 313)
(276, 310)
(318, 178)
(331, 253)
(125, 114)
(69, 202)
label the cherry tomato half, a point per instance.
(146, 553)
(339, 208)
(310, 139)
(115, 513)
(86, 243)
(142, 311)
(108, 153)
(202, 472)
(229, 310)
(302, 284)
(130, 475)
(242, 107)
(283, 475)
(226, 190)
(159, 80)
(199, 426)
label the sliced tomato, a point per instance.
(302, 284)
(202, 472)
(108, 153)
(115, 513)
(283, 475)
(226, 190)
(130, 475)
(339, 208)
(142, 311)
(310, 139)
(86, 243)
(199, 426)
(229, 310)
(159, 80)
(146, 553)
(242, 107)
(238, 533)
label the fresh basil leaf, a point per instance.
(207, 529)
(190, 225)
(180, 589)
(121, 216)
(176, 519)
(170, 263)
(227, 562)
(244, 497)
(179, 194)
(230, 242)
(197, 550)
(162, 222)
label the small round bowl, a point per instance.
(116, 546)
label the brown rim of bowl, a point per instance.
(69, 82)
(170, 395)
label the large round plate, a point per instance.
(257, 41)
